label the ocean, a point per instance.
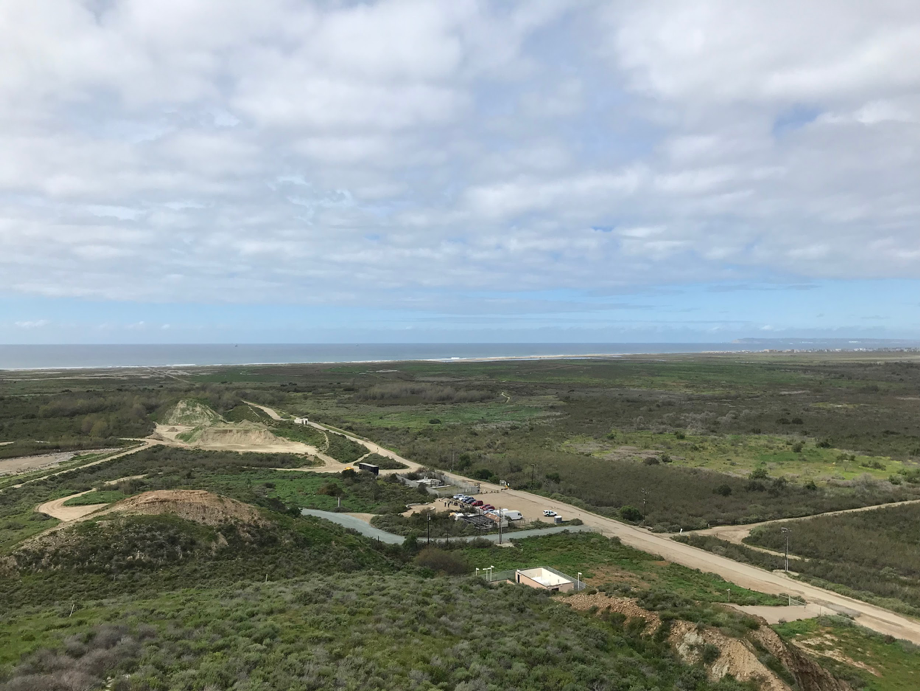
(101, 356)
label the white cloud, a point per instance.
(206, 150)
(36, 324)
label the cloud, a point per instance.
(369, 153)
(36, 324)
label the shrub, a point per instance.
(723, 490)
(709, 653)
(631, 514)
(441, 561)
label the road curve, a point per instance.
(737, 533)
(747, 576)
(56, 509)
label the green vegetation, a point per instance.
(868, 552)
(676, 438)
(343, 449)
(248, 413)
(603, 560)
(741, 454)
(384, 462)
(116, 554)
(441, 525)
(883, 586)
(668, 442)
(163, 468)
(865, 659)
(100, 497)
(376, 632)
(302, 433)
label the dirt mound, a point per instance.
(192, 414)
(623, 605)
(723, 655)
(191, 504)
(739, 658)
(247, 434)
(734, 656)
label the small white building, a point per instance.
(300, 421)
(545, 579)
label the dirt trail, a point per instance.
(265, 409)
(737, 533)
(56, 508)
(145, 444)
(745, 575)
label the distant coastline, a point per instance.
(70, 357)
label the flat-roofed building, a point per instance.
(546, 578)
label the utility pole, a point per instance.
(533, 472)
(644, 499)
(501, 517)
(429, 527)
(786, 532)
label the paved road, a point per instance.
(745, 575)
(367, 529)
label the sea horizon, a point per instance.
(107, 356)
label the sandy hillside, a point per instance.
(192, 414)
(191, 504)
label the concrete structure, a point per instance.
(300, 421)
(545, 578)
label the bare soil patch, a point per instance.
(22, 464)
(622, 605)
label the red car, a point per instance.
(488, 507)
(478, 502)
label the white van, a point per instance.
(512, 515)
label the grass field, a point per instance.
(791, 456)
(101, 497)
(602, 560)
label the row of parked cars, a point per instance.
(473, 502)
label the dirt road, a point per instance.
(56, 508)
(737, 533)
(531, 505)
(265, 409)
(145, 444)
(23, 464)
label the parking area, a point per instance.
(491, 504)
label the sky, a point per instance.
(213, 171)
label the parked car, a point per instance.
(487, 507)
(468, 500)
(478, 502)
(547, 512)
